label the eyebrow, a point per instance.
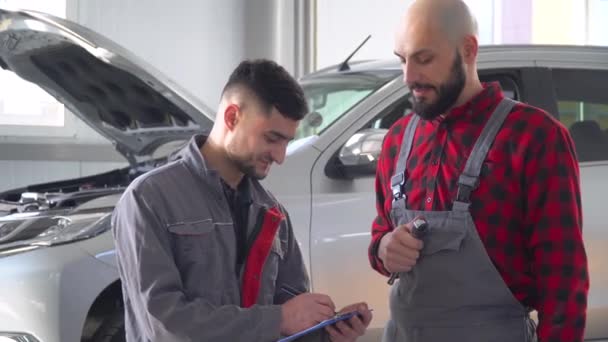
(280, 135)
(419, 52)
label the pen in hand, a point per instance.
(294, 292)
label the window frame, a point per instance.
(581, 83)
(24, 129)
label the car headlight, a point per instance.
(17, 337)
(26, 231)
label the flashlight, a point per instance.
(419, 229)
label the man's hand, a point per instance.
(347, 331)
(399, 250)
(304, 311)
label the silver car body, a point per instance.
(339, 212)
(57, 292)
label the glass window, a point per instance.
(403, 106)
(331, 96)
(392, 114)
(505, 79)
(583, 108)
(21, 102)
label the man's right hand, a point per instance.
(399, 250)
(304, 311)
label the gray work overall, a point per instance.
(454, 292)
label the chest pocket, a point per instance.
(444, 238)
(202, 245)
(192, 228)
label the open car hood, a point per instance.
(117, 94)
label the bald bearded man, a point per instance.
(498, 183)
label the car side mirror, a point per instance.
(359, 156)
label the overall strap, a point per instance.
(398, 178)
(469, 179)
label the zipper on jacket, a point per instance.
(259, 221)
(257, 228)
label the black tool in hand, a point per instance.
(418, 231)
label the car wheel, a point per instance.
(113, 328)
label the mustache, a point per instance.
(267, 159)
(416, 85)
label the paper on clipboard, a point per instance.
(333, 320)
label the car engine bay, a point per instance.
(71, 193)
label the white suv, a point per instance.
(59, 278)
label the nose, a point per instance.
(278, 153)
(410, 74)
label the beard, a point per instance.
(246, 167)
(447, 94)
(245, 164)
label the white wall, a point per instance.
(343, 24)
(598, 25)
(487, 22)
(197, 43)
(32, 130)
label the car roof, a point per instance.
(492, 56)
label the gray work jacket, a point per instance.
(176, 250)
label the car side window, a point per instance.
(403, 106)
(507, 83)
(391, 114)
(582, 103)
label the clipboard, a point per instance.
(330, 321)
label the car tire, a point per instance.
(113, 328)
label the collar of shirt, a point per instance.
(474, 108)
(240, 195)
(194, 160)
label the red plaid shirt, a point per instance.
(527, 207)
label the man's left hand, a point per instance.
(350, 330)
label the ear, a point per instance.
(231, 116)
(470, 47)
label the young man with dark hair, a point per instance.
(203, 249)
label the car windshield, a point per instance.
(331, 96)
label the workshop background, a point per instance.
(197, 43)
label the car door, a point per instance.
(581, 103)
(343, 207)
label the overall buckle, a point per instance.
(466, 185)
(397, 183)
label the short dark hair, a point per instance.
(272, 85)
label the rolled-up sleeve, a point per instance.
(153, 287)
(556, 238)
